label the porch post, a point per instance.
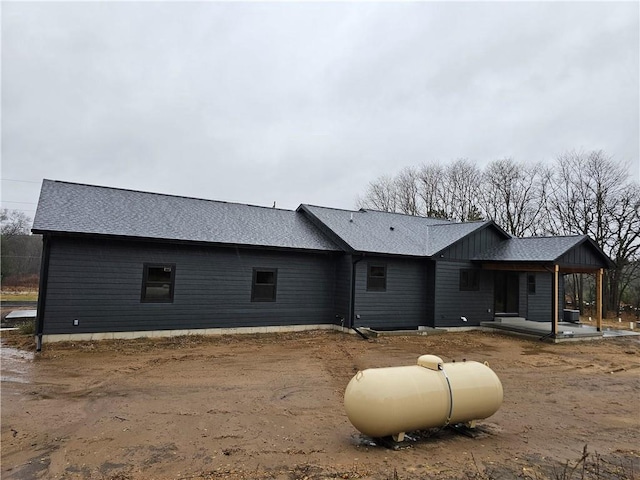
(599, 299)
(554, 324)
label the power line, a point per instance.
(23, 209)
(12, 201)
(21, 181)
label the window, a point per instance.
(469, 280)
(376, 277)
(265, 282)
(531, 283)
(157, 283)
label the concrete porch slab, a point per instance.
(22, 314)
(567, 331)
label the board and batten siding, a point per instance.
(472, 245)
(584, 255)
(99, 283)
(451, 304)
(403, 303)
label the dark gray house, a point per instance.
(121, 263)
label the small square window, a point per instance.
(469, 280)
(157, 283)
(531, 283)
(264, 285)
(376, 277)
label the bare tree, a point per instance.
(458, 193)
(583, 185)
(511, 194)
(381, 195)
(591, 195)
(430, 178)
(407, 185)
(20, 251)
(14, 222)
(622, 242)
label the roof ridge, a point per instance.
(371, 210)
(167, 195)
(365, 210)
(328, 208)
(451, 224)
(576, 235)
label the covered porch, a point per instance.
(550, 258)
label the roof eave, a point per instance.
(177, 241)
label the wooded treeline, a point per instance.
(20, 251)
(579, 193)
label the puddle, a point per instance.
(15, 364)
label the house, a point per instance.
(122, 263)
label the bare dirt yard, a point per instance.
(270, 407)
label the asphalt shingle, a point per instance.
(77, 208)
(66, 207)
(391, 233)
(531, 249)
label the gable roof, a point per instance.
(73, 208)
(389, 233)
(538, 249)
(66, 207)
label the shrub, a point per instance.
(28, 328)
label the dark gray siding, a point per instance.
(402, 305)
(584, 255)
(538, 307)
(430, 293)
(473, 244)
(451, 304)
(522, 295)
(99, 283)
(343, 288)
(539, 304)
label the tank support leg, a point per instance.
(399, 437)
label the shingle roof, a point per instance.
(77, 208)
(86, 209)
(532, 249)
(390, 233)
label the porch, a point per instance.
(553, 257)
(555, 332)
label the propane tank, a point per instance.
(391, 401)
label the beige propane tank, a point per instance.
(394, 400)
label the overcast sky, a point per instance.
(305, 102)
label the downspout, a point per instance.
(42, 290)
(352, 303)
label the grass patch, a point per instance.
(20, 297)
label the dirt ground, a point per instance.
(270, 407)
